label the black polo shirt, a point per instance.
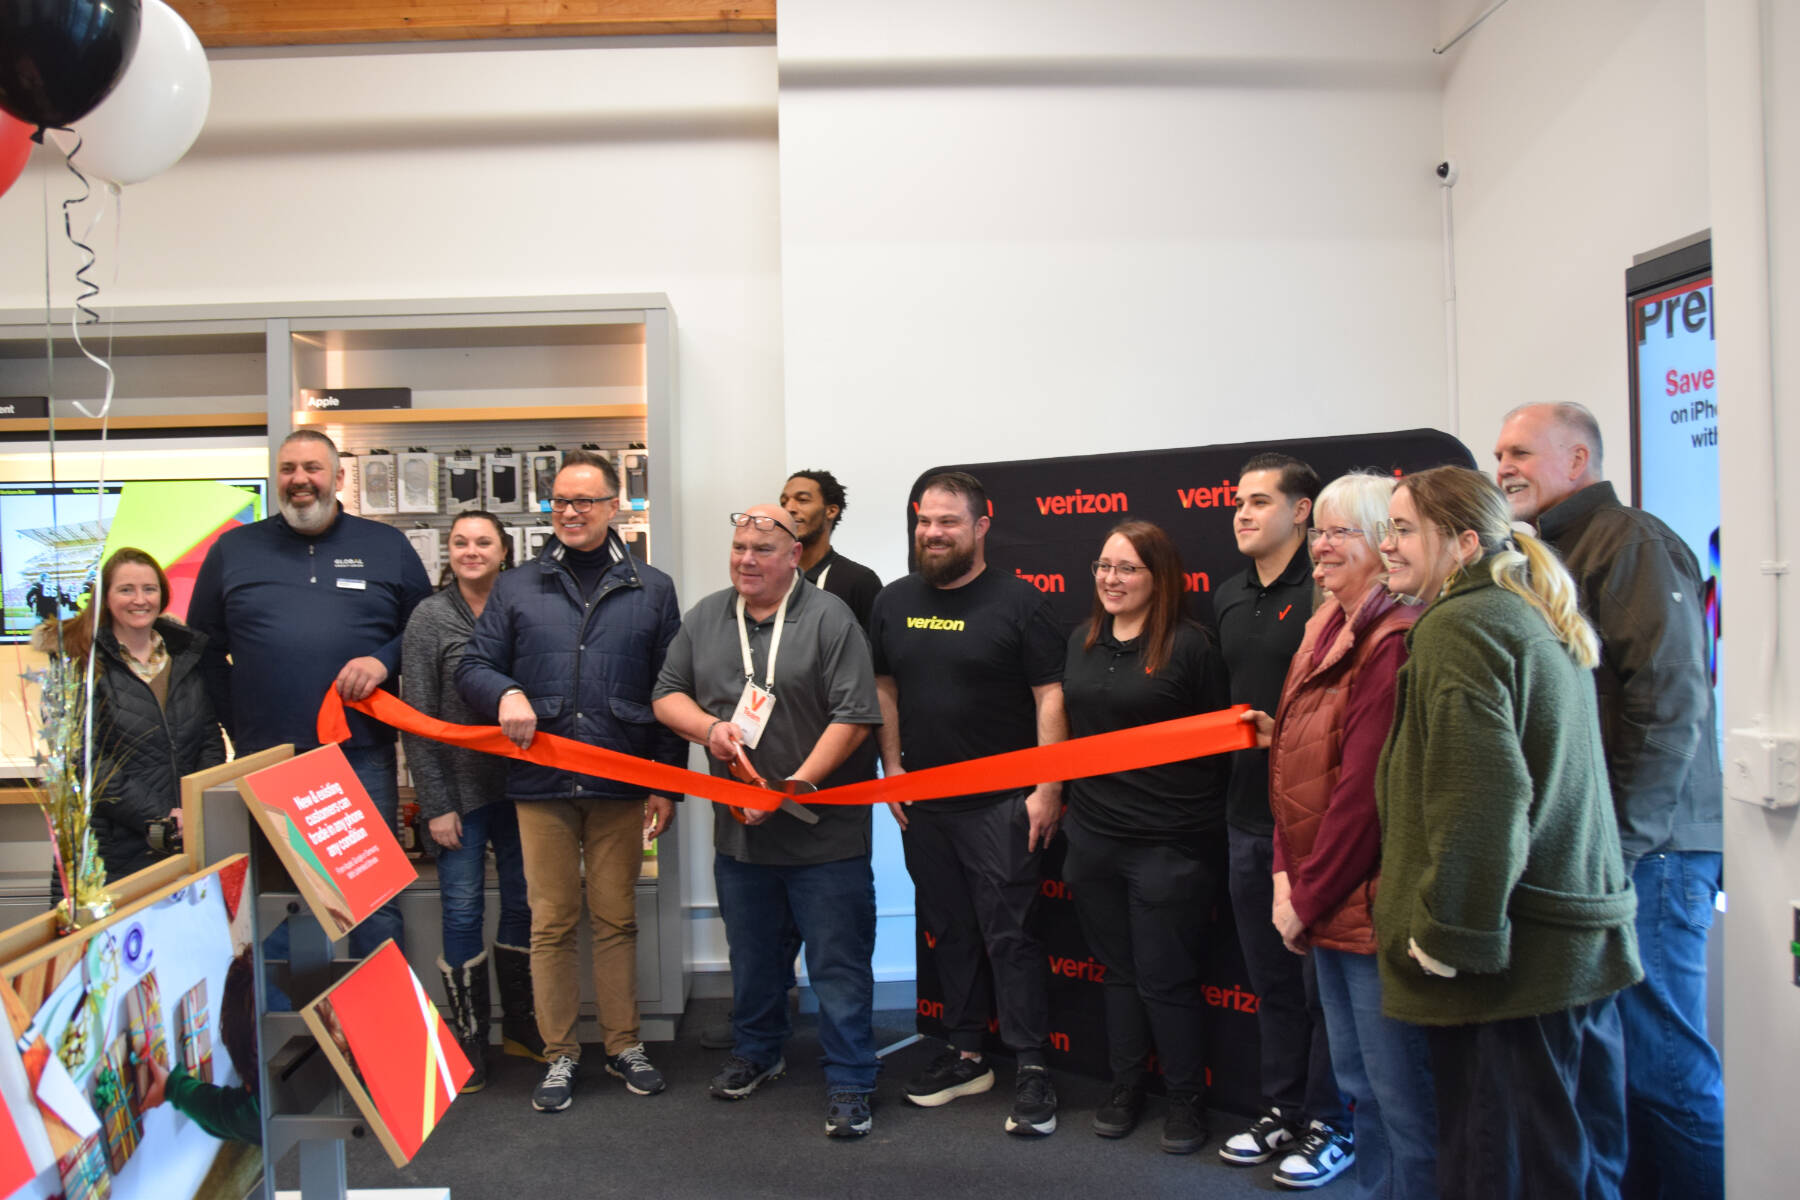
(1260, 628)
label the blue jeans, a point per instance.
(1385, 1067)
(462, 883)
(374, 768)
(1674, 1092)
(832, 905)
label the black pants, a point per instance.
(977, 890)
(1532, 1107)
(1144, 909)
(1297, 1079)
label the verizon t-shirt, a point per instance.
(965, 660)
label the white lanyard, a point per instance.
(820, 581)
(774, 638)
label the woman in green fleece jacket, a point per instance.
(1505, 917)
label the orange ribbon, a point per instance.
(1101, 754)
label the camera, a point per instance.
(1447, 172)
(164, 835)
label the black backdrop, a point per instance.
(1050, 517)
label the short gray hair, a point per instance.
(1361, 497)
(1576, 419)
(311, 435)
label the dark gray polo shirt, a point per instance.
(823, 676)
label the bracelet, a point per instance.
(707, 740)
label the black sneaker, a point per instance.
(633, 1066)
(739, 1077)
(1259, 1143)
(847, 1115)
(558, 1088)
(950, 1075)
(1119, 1115)
(1184, 1128)
(1034, 1104)
(1322, 1155)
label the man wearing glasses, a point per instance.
(571, 644)
(772, 676)
(1262, 614)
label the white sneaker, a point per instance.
(1321, 1157)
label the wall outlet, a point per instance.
(1762, 768)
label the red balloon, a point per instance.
(15, 149)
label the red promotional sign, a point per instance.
(391, 1049)
(343, 856)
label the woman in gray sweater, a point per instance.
(462, 793)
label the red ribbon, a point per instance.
(1102, 754)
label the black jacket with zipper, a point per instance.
(142, 749)
(1641, 587)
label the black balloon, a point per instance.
(60, 58)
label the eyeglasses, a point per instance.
(1335, 533)
(579, 503)
(1120, 570)
(759, 522)
(1386, 531)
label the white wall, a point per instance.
(1014, 229)
(487, 170)
(1754, 124)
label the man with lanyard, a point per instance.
(1262, 614)
(309, 599)
(571, 644)
(815, 502)
(773, 677)
(969, 663)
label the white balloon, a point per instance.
(153, 116)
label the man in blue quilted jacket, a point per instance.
(571, 644)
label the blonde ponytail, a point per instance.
(1534, 573)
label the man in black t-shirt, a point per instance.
(815, 500)
(968, 663)
(1262, 614)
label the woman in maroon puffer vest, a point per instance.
(1325, 739)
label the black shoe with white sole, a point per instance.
(558, 1088)
(950, 1075)
(848, 1115)
(1034, 1104)
(1322, 1155)
(633, 1066)
(739, 1077)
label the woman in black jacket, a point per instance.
(153, 722)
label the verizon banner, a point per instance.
(1050, 517)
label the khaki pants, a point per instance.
(557, 837)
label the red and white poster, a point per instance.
(341, 853)
(392, 1050)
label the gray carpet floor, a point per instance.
(682, 1143)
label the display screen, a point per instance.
(1675, 410)
(52, 536)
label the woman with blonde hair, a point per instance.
(1505, 916)
(1325, 738)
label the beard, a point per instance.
(312, 518)
(811, 537)
(947, 566)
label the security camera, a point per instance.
(1446, 172)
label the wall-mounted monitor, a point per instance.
(52, 535)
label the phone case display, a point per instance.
(380, 496)
(504, 493)
(418, 482)
(634, 479)
(541, 466)
(536, 538)
(350, 494)
(425, 543)
(464, 469)
(636, 535)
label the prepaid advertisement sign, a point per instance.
(341, 853)
(394, 1054)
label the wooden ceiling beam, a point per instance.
(332, 22)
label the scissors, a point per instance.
(746, 772)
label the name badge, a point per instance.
(753, 710)
(355, 585)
